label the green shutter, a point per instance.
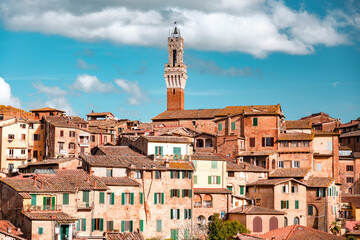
(33, 199)
(310, 210)
(44, 203)
(156, 150)
(220, 126)
(141, 225)
(171, 193)
(53, 203)
(172, 174)
(141, 198)
(287, 204)
(209, 179)
(186, 233)
(183, 174)
(171, 214)
(112, 202)
(93, 224)
(83, 224)
(131, 226)
(78, 225)
(178, 193)
(161, 151)
(132, 198)
(214, 165)
(195, 179)
(178, 174)
(101, 224)
(255, 121)
(65, 199)
(85, 196)
(162, 198)
(122, 226)
(296, 204)
(158, 225)
(101, 197)
(41, 230)
(190, 175)
(233, 126)
(189, 214)
(122, 198)
(185, 213)
(190, 193)
(183, 193)
(218, 180)
(178, 213)
(155, 198)
(318, 192)
(242, 190)
(195, 163)
(282, 204)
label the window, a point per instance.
(158, 198)
(71, 134)
(105, 139)
(207, 201)
(296, 204)
(255, 121)
(126, 226)
(242, 192)
(61, 133)
(174, 192)
(186, 174)
(110, 225)
(157, 175)
(111, 198)
(33, 199)
(252, 142)
(177, 153)
(101, 197)
(138, 174)
(1, 116)
(231, 174)
(213, 179)
(71, 145)
(109, 172)
(127, 198)
(295, 164)
(296, 221)
(294, 144)
(159, 151)
(81, 224)
(214, 165)
(40, 230)
(284, 144)
(285, 188)
(23, 151)
(195, 179)
(158, 225)
(23, 125)
(11, 136)
(284, 204)
(267, 141)
(310, 210)
(23, 137)
(174, 234)
(230, 188)
(65, 199)
(349, 168)
(304, 143)
(285, 222)
(318, 166)
(187, 213)
(186, 193)
(92, 138)
(174, 213)
(257, 224)
(321, 192)
(233, 126)
(294, 189)
(195, 163)
(141, 198)
(35, 154)
(274, 223)
(61, 146)
(349, 180)
(175, 174)
(219, 126)
(280, 164)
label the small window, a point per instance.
(294, 144)
(252, 142)
(110, 225)
(157, 174)
(71, 134)
(65, 199)
(11, 136)
(349, 168)
(158, 225)
(109, 172)
(40, 230)
(255, 122)
(295, 164)
(92, 138)
(310, 210)
(219, 126)
(214, 165)
(174, 192)
(71, 145)
(97, 224)
(318, 166)
(267, 141)
(23, 137)
(23, 151)
(294, 189)
(296, 204)
(349, 180)
(175, 213)
(36, 137)
(285, 222)
(233, 126)
(280, 164)
(138, 174)
(231, 174)
(61, 133)
(213, 179)
(296, 221)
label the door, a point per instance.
(64, 232)
(175, 234)
(177, 153)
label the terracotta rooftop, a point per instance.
(257, 153)
(62, 180)
(272, 182)
(350, 134)
(166, 139)
(325, 133)
(349, 124)
(98, 114)
(5, 225)
(65, 121)
(319, 181)
(290, 172)
(48, 162)
(187, 114)
(295, 136)
(345, 148)
(119, 181)
(125, 236)
(298, 232)
(244, 167)
(234, 110)
(354, 199)
(208, 157)
(117, 150)
(256, 210)
(243, 236)
(49, 215)
(211, 191)
(183, 165)
(47, 109)
(298, 124)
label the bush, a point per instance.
(222, 230)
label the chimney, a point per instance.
(35, 179)
(95, 184)
(245, 166)
(42, 186)
(237, 161)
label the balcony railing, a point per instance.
(43, 208)
(16, 157)
(172, 157)
(84, 205)
(197, 204)
(207, 204)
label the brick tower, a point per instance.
(175, 72)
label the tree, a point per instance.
(351, 238)
(335, 228)
(222, 230)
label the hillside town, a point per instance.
(102, 177)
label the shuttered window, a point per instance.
(233, 126)
(158, 225)
(33, 199)
(219, 126)
(65, 199)
(141, 225)
(255, 121)
(101, 197)
(296, 204)
(242, 188)
(252, 142)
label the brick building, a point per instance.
(47, 111)
(7, 112)
(322, 121)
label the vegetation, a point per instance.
(351, 238)
(335, 228)
(223, 230)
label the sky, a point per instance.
(98, 55)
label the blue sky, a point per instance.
(110, 57)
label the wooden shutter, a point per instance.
(183, 192)
(242, 190)
(274, 223)
(93, 224)
(252, 142)
(282, 204)
(156, 150)
(158, 225)
(189, 211)
(171, 214)
(162, 198)
(257, 224)
(78, 225)
(65, 199)
(178, 193)
(263, 142)
(218, 180)
(141, 198)
(131, 226)
(219, 126)
(101, 197)
(178, 213)
(296, 204)
(195, 179)
(183, 174)
(255, 121)
(155, 198)
(189, 175)
(172, 174)
(53, 203)
(233, 126)
(190, 193)
(171, 193)
(161, 151)
(122, 226)
(101, 224)
(209, 179)
(185, 213)
(132, 198)
(287, 204)
(112, 198)
(122, 198)
(83, 224)
(33, 199)
(141, 225)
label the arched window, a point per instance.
(207, 201)
(350, 190)
(208, 143)
(274, 224)
(197, 201)
(201, 220)
(286, 222)
(296, 220)
(199, 143)
(174, 58)
(273, 165)
(257, 224)
(210, 219)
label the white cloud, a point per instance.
(84, 65)
(257, 27)
(137, 96)
(6, 97)
(87, 83)
(56, 98)
(334, 84)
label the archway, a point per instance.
(257, 224)
(274, 223)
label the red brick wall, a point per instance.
(175, 99)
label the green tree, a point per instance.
(223, 230)
(335, 228)
(351, 238)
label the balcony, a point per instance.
(84, 206)
(16, 157)
(323, 153)
(43, 208)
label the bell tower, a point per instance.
(175, 72)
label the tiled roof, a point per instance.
(257, 153)
(181, 165)
(272, 182)
(298, 232)
(49, 215)
(349, 124)
(290, 172)
(208, 157)
(243, 236)
(46, 109)
(354, 199)
(211, 191)
(25, 195)
(96, 114)
(256, 210)
(344, 148)
(234, 110)
(166, 139)
(125, 236)
(48, 162)
(118, 150)
(5, 225)
(187, 114)
(64, 180)
(133, 162)
(319, 181)
(325, 133)
(65, 121)
(350, 134)
(244, 167)
(119, 181)
(295, 136)
(298, 124)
